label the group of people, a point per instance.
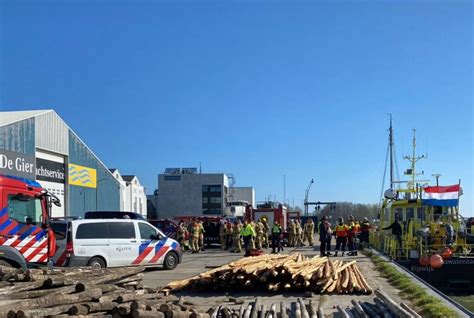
(346, 235)
(251, 235)
(298, 235)
(191, 236)
(255, 235)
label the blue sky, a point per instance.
(260, 89)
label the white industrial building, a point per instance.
(132, 193)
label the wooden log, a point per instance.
(283, 310)
(39, 293)
(368, 310)
(263, 311)
(313, 309)
(256, 307)
(134, 278)
(410, 310)
(147, 303)
(362, 279)
(225, 312)
(112, 296)
(320, 312)
(197, 314)
(342, 312)
(304, 311)
(298, 310)
(247, 312)
(78, 310)
(358, 309)
(272, 312)
(97, 306)
(374, 308)
(46, 301)
(20, 287)
(140, 313)
(106, 288)
(124, 309)
(381, 306)
(11, 274)
(394, 307)
(351, 313)
(134, 296)
(43, 312)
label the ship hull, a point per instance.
(456, 274)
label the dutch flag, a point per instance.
(441, 196)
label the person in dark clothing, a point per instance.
(324, 230)
(276, 241)
(396, 230)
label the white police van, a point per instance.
(114, 242)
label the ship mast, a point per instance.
(391, 152)
(413, 160)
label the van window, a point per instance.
(92, 231)
(25, 209)
(146, 231)
(121, 230)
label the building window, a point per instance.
(215, 200)
(135, 205)
(215, 188)
(205, 200)
(172, 178)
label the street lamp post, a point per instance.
(306, 197)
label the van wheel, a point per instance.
(96, 262)
(171, 261)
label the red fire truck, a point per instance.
(271, 211)
(25, 235)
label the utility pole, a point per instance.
(436, 175)
(284, 189)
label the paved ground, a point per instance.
(194, 264)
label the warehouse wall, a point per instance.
(19, 137)
(105, 196)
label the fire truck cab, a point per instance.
(25, 235)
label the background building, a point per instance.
(132, 193)
(183, 191)
(152, 205)
(244, 194)
(39, 145)
(135, 196)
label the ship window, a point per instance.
(410, 213)
(386, 217)
(398, 214)
(421, 213)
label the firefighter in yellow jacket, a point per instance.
(309, 231)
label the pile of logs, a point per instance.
(280, 273)
(283, 309)
(382, 307)
(115, 292)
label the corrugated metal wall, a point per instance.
(52, 133)
(105, 197)
(19, 136)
